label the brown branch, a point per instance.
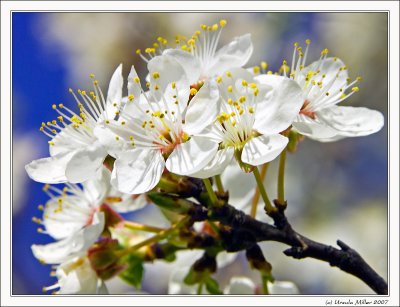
(246, 231)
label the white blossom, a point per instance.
(251, 119)
(325, 83)
(245, 286)
(159, 128)
(75, 153)
(69, 255)
(199, 55)
(72, 208)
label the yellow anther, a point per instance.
(53, 122)
(131, 138)
(308, 41)
(148, 50)
(191, 42)
(41, 207)
(296, 44)
(256, 92)
(46, 187)
(95, 82)
(219, 79)
(251, 110)
(214, 27)
(230, 101)
(269, 72)
(256, 70)
(117, 138)
(148, 84)
(107, 121)
(230, 89)
(327, 94)
(359, 78)
(83, 93)
(155, 45)
(54, 131)
(325, 51)
(60, 105)
(228, 74)
(156, 87)
(54, 106)
(223, 117)
(136, 79)
(173, 85)
(264, 65)
(203, 27)
(123, 123)
(242, 99)
(244, 83)
(355, 89)
(335, 59)
(114, 104)
(241, 111)
(138, 51)
(184, 47)
(131, 97)
(193, 91)
(70, 90)
(43, 124)
(41, 129)
(222, 22)
(156, 75)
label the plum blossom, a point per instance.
(75, 153)
(69, 255)
(324, 84)
(159, 129)
(199, 56)
(251, 119)
(72, 208)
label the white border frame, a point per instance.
(7, 6)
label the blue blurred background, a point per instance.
(336, 190)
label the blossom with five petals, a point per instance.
(72, 208)
(75, 153)
(251, 120)
(159, 128)
(324, 84)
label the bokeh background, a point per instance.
(336, 190)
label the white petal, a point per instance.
(203, 108)
(129, 202)
(73, 246)
(134, 88)
(86, 163)
(217, 165)
(224, 259)
(137, 171)
(283, 287)
(49, 170)
(114, 94)
(234, 54)
(169, 70)
(277, 113)
(271, 80)
(313, 129)
(96, 189)
(192, 156)
(352, 121)
(190, 64)
(330, 67)
(78, 277)
(240, 286)
(63, 142)
(263, 149)
(61, 224)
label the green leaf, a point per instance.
(193, 277)
(133, 274)
(212, 286)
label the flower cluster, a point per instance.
(198, 112)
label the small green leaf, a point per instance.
(133, 274)
(212, 286)
(193, 277)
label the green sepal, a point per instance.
(133, 274)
